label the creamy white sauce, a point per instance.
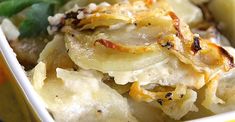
(169, 72)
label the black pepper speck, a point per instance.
(99, 111)
(168, 45)
(169, 94)
(160, 101)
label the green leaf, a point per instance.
(36, 20)
(61, 2)
(11, 7)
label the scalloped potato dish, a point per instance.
(131, 60)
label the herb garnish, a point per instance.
(35, 22)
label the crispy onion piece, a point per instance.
(82, 51)
(175, 103)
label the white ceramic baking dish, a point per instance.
(19, 74)
(38, 105)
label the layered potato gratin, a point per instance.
(136, 60)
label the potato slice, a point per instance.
(187, 11)
(92, 100)
(83, 52)
(54, 55)
(219, 97)
(38, 75)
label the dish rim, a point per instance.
(22, 80)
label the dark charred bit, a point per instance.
(170, 99)
(160, 101)
(135, 24)
(176, 23)
(168, 95)
(181, 96)
(228, 56)
(107, 78)
(67, 50)
(168, 45)
(196, 44)
(75, 68)
(99, 111)
(149, 24)
(72, 15)
(76, 21)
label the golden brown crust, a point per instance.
(228, 56)
(174, 35)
